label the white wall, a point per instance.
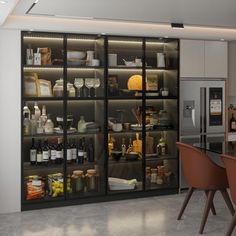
(10, 99)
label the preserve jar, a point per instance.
(58, 88)
(91, 180)
(77, 180)
(70, 90)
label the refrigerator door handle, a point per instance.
(202, 110)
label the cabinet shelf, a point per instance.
(84, 67)
(125, 98)
(84, 98)
(43, 99)
(45, 67)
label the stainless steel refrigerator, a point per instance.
(202, 112)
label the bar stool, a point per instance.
(203, 174)
(230, 165)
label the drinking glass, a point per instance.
(89, 84)
(96, 84)
(79, 83)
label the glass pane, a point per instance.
(85, 149)
(161, 137)
(42, 150)
(124, 66)
(124, 145)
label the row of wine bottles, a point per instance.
(46, 151)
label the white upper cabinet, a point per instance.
(191, 58)
(216, 59)
(203, 59)
(232, 69)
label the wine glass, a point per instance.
(89, 84)
(96, 84)
(79, 83)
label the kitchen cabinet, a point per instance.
(192, 58)
(114, 132)
(232, 70)
(203, 59)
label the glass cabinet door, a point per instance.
(42, 103)
(124, 115)
(85, 115)
(161, 113)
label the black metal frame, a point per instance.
(65, 201)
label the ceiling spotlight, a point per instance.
(222, 39)
(166, 37)
(177, 25)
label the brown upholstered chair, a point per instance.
(203, 174)
(230, 165)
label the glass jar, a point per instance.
(49, 125)
(70, 90)
(81, 125)
(58, 88)
(77, 180)
(153, 175)
(91, 180)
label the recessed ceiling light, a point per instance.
(3, 1)
(166, 37)
(177, 25)
(222, 39)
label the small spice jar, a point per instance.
(153, 175)
(91, 180)
(77, 181)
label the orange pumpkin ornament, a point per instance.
(135, 83)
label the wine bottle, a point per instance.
(53, 151)
(68, 153)
(130, 146)
(232, 124)
(45, 150)
(90, 151)
(39, 155)
(33, 153)
(74, 151)
(80, 153)
(44, 115)
(59, 152)
(37, 111)
(85, 149)
(123, 147)
(26, 124)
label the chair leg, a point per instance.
(227, 200)
(207, 209)
(185, 203)
(231, 226)
(213, 210)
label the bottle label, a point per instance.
(233, 125)
(69, 155)
(33, 155)
(45, 156)
(39, 157)
(59, 155)
(74, 151)
(80, 153)
(53, 155)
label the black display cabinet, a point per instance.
(113, 102)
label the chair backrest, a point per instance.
(199, 170)
(230, 166)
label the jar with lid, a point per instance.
(161, 147)
(58, 88)
(153, 175)
(91, 180)
(81, 125)
(70, 90)
(77, 181)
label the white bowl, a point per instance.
(76, 54)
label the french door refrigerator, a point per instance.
(202, 112)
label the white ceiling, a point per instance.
(193, 12)
(206, 19)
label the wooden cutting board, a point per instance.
(137, 144)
